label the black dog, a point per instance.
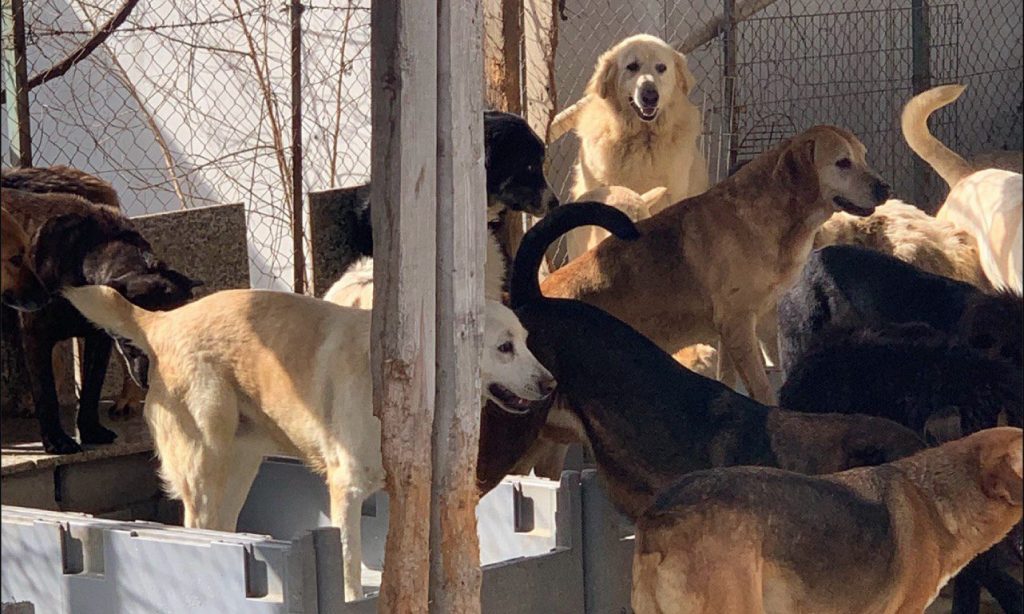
(853, 287)
(648, 419)
(96, 245)
(514, 162)
(909, 374)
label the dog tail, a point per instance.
(525, 286)
(946, 162)
(107, 309)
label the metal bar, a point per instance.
(298, 248)
(15, 71)
(729, 79)
(921, 80)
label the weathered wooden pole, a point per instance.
(461, 224)
(429, 223)
(404, 193)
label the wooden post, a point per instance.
(404, 193)
(19, 127)
(298, 234)
(461, 224)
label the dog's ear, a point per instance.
(686, 79)
(1002, 476)
(606, 74)
(60, 241)
(796, 171)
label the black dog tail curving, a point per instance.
(524, 285)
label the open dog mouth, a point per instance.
(851, 208)
(510, 401)
(647, 114)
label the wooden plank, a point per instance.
(461, 224)
(404, 165)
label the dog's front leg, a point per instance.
(38, 346)
(97, 357)
(346, 514)
(739, 340)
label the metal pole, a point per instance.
(921, 80)
(729, 78)
(16, 83)
(298, 249)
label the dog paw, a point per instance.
(125, 411)
(60, 443)
(96, 434)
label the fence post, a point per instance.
(298, 247)
(729, 81)
(921, 80)
(19, 127)
(403, 67)
(461, 224)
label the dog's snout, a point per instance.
(649, 95)
(881, 191)
(546, 385)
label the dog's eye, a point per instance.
(660, 68)
(506, 348)
(633, 66)
(844, 163)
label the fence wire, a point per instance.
(188, 104)
(798, 63)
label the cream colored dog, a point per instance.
(242, 374)
(636, 206)
(913, 236)
(986, 203)
(637, 128)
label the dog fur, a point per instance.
(636, 206)
(913, 236)
(851, 287)
(241, 374)
(877, 539)
(20, 287)
(649, 420)
(710, 266)
(619, 143)
(78, 243)
(987, 203)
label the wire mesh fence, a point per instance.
(187, 104)
(797, 64)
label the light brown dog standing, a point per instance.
(879, 539)
(710, 265)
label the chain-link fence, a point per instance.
(795, 64)
(187, 104)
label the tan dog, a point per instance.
(20, 288)
(913, 236)
(879, 539)
(709, 266)
(637, 128)
(241, 374)
(987, 203)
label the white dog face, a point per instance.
(641, 74)
(511, 376)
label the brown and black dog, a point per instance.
(876, 539)
(76, 243)
(648, 419)
(20, 287)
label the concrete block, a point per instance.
(332, 216)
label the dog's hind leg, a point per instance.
(244, 465)
(96, 359)
(346, 513)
